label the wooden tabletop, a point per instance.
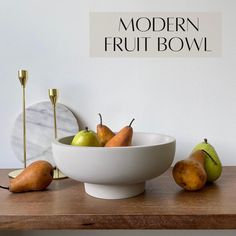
(164, 205)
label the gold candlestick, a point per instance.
(23, 77)
(53, 95)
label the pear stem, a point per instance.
(205, 140)
(86, 128)
(131, 122)
(100, 118)
(4, 187)
(210, 157)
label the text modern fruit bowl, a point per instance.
(116, 172)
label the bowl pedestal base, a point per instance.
(114, 191)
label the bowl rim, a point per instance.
(172, 140)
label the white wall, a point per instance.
(189, 98)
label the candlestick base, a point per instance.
(13, 174)
(57, 174)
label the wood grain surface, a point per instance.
(164, 205)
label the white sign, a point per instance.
(160, 34)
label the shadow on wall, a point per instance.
(119, 233)
(80, 122)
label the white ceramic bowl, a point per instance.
(115, 172)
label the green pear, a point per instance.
(212, 163)
(86, 138)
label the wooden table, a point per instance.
(163, 206)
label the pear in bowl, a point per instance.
(116, 172)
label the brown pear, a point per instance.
(122, 138)
(35, 177)
(190, 173)
(104, 133)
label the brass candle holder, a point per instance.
(23, 77)
(53, 95)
